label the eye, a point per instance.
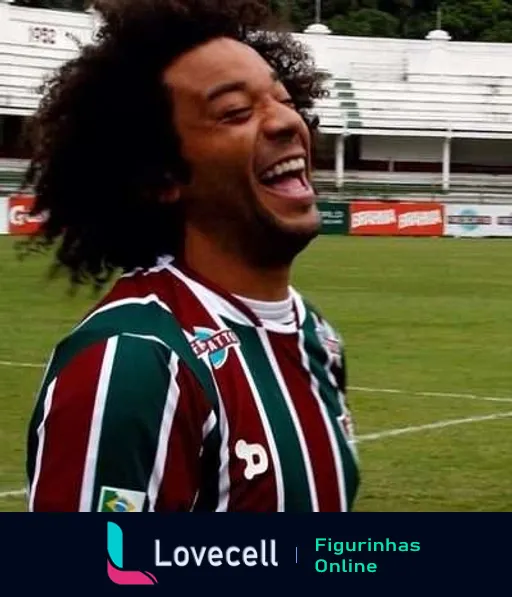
(289, 102)
(237, 114)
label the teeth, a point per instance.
(297, 165)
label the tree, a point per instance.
(465, 20)
(501, 32)
(367, 22)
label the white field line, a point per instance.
(350, 388)
(429, 394)
(21, 365)
(362, 438)
(368, 437)
(14, 493)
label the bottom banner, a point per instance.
(405, 554)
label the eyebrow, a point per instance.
(232, 86)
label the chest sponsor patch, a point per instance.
(214, 343)
(255, 456)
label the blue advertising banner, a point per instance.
(399, 554)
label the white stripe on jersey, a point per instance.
(171, 403)
(210, 307)
(215, 302)
(327, 422)
(40, 444)
(91, 459)
(299, 304)
(145, 300)
(209, 425)
(293, 415)
(224, 479)
(161, 264)
(45, 374)
(268, 433)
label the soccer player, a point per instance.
(175, 154)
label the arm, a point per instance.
(120, 427)
(338, 367)
(346, 419)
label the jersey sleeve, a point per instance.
(338, 366)
(119, 428)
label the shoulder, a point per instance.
(322, 326)
(87, 362)
(133, 316)
(126, 376)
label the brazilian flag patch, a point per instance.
(114, 499)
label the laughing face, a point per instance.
(249, 154)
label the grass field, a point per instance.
(428, 329)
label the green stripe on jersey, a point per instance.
(296, 488)
(148, 319)
(132, 417)
(329, 394)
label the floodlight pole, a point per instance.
(318, 11)
(447, 158)
(340, 160)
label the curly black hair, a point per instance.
(104, 149)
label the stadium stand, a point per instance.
(431, 116)
(403, 119)
(34, 42)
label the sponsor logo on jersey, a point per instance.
(255, 457)
(113, 499)
(329, 341)
(214, 343)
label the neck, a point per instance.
(229, 271)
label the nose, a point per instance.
(282, 122)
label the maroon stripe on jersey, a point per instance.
(244, 422)
(181, 476)
(65, 445)
(298, 382)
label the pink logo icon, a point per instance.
(115, 561)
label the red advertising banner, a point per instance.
(378, 218)
(20, 221)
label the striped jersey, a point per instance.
(172, 395)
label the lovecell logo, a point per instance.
(115, 570)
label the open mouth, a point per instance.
(288, 178)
